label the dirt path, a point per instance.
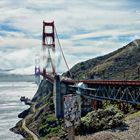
(28, 131)
(35, 137)
(26, 128)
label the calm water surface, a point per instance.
(10, 106)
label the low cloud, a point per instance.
(86, 29)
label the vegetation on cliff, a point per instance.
(118, 65)
(40, 118)
(51, 127)
(100, 119)
(43, 122)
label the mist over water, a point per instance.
(10, 106)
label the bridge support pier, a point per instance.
(123, 106)
(94, 105)
(58, 97)
(97, 104)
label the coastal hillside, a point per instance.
(39, 121)
(118, 65)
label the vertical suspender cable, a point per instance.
(53, 67)
(62, 52)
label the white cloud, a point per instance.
(19, 42)
(77, 21)
(23, 71)
(17, 58)
(111, 33)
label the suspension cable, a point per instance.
(53, 67)
(62, 52)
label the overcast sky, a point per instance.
(86, 29)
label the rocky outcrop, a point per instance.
(44, 89)
(19, 130)
(40, 118)
(24, 113)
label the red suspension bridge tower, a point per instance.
(49, 38)
(48, 46)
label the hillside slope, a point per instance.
(118, 65)
(130, 132)
(40, 118)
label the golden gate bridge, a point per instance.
(96, 90)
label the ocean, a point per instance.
(10, 106)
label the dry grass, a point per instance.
(132, 116)
(132, 133)
(97, 136)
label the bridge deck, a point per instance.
(98, 82)
(112, 82)
(119, 90)
(105, 82)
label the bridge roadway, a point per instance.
(98, 82)
(105, 82)
(121, 91)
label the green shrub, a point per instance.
(50, 126)
(101, 119)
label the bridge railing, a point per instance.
(129, 94)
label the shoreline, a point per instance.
(109, 134)
(20, 127)
(42, 110)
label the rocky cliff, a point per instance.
(39, 120)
